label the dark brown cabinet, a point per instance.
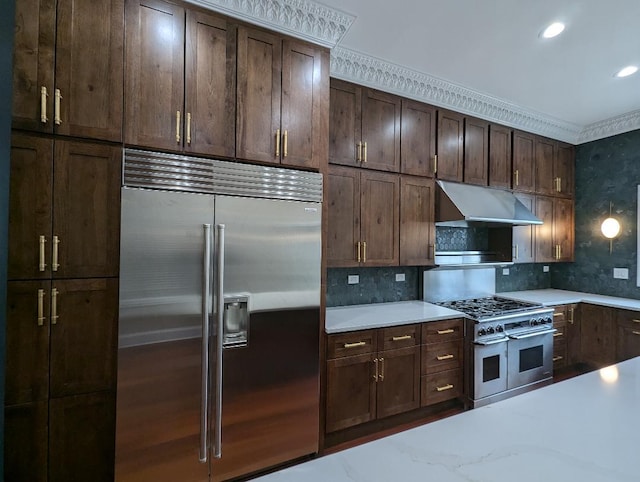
(554, 238)
(523, 161)
(554, 168)
(597, 335)
(476, 151)
(26, 439)
(417, 229)
(280, 97)
(417, 138)
(566, 340)
(628, 333)
(544, 151)
(449, 165)
(364, 127)
(363, 218)
(499, 156)
(68, 64)
(524, 236)
(564, 170)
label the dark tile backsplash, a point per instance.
(523, 277)
(377, 285)
(461, 239)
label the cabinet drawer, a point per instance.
(441, 331)
(559, 356)
(352, 343)
(629, 319)
(559, 336)
(439, 357)
(440, 387)
(399, 336)
(559, 314)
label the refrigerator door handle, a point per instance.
(217, 446)
(206, 289)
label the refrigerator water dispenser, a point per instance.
(236, 321)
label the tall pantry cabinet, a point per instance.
(62, 293)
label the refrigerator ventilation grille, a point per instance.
(173, 172)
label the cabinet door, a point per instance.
(33, 54)
(154, 74)
(524, 236)
(564, 169)
(398, 387)
(27, 366)
(476, 151)
(563, 228)
(544, 157)
(417, 229)
(258, 135)
(499, 156)
(210, 85)
(597, 335)
(83, 336)
(343, 234)
(82, 438)
(574, 350)
(303, 91)
(86, 207)
(89, 66)
(31, 185)
(417, 138)
(345, 122)
(25, 442)
(450, 145)
(628, 342)
(523, 161)
(545, 248)
(351, 391)
(380, 131)
(379, 207)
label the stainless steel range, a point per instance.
(509, 344)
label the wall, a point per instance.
(6, 50)
(376, 285)
(606, 170)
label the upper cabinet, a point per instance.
(554, 168)
(523, 162)
(68, 67)
(282, 91)
(364, 127)
(450, 146)
(499, 156)
(177, 98)
(564, 169)
(544, 158)
(476, 151)
(418, 138)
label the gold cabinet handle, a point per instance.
(444, 357)
(277, 142)
(559, 333)
(435, 164)
(42, 265)
(559, 251)
(431, 251)
(54, 306)
(353, 345)
(43, 105)
(381, 376)
(364, 152)
(557, 358)
(636, 332)
(364, 251)
(517, 175)
(515, 251)
(358, 256)
(558, 314)
(400, 338)
(571, 317)
(56, 109)
(375, 376)
(177, 127)
(54, 259)
(445, 332)
(188, 128)
(446, 387)
(635, 320)
(41, 318)
(285, 142)
(359, 152)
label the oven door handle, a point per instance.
(530, 335)
(492, 342)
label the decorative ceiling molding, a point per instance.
(304, 19)
(610, 127)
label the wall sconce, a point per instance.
(610, 228)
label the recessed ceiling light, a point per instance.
(627, 71)
(553, 30)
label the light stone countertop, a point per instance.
(583, 429)
(340, 319)
(551, 297)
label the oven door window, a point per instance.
(531, 358)
(490, 368)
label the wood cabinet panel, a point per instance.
(573, 335)
(399, 337)
(597, 335)
(544, 159)
(352, 343)
(154, 74)
(417, 138)
(564, 228)
(438, 357)
(381, 130)
(523, 161)
(476, 151)
(545, 248)
(25, 442)
(564, 169)
(442, 331)
(345, 122)
(440, 387)
(450, 146)
(84, 337)
(499, 156)
(524, 236)
(380, 216)
(417, 229)
(343, 202)
(210, 85)
(628, 334)
(398, 387)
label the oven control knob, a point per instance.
(535, 322)
(548, 320)
(481, 332)
(499, 328)
(490, 330)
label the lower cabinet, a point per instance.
(597, 335)
(566, 340)
(628, 331)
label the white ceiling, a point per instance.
(481, 57)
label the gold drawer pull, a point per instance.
(435, 164)
(359, 152)
(54, 306)
(446, 387)
(375, 376)
(403, 337)
(177, 127)
(353, 345)
(558, 334)
(54, 258)
(636, 332)
(43, 105)
(277, 142)
(557, 358)
(41, 317)
(56, 113)
(635, 321)
(188, 128)
(364, 251)
(42, 265)
(444, 357)
(381, 376)
(446, 332)
(285, 142)
(558, 314)
(364, 152)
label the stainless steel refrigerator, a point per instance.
(218, 371)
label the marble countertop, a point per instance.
(551, 297)
(584, 429)
(361, 317)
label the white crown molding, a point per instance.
(304, 19)
(610, 127)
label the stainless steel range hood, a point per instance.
(465, 205)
